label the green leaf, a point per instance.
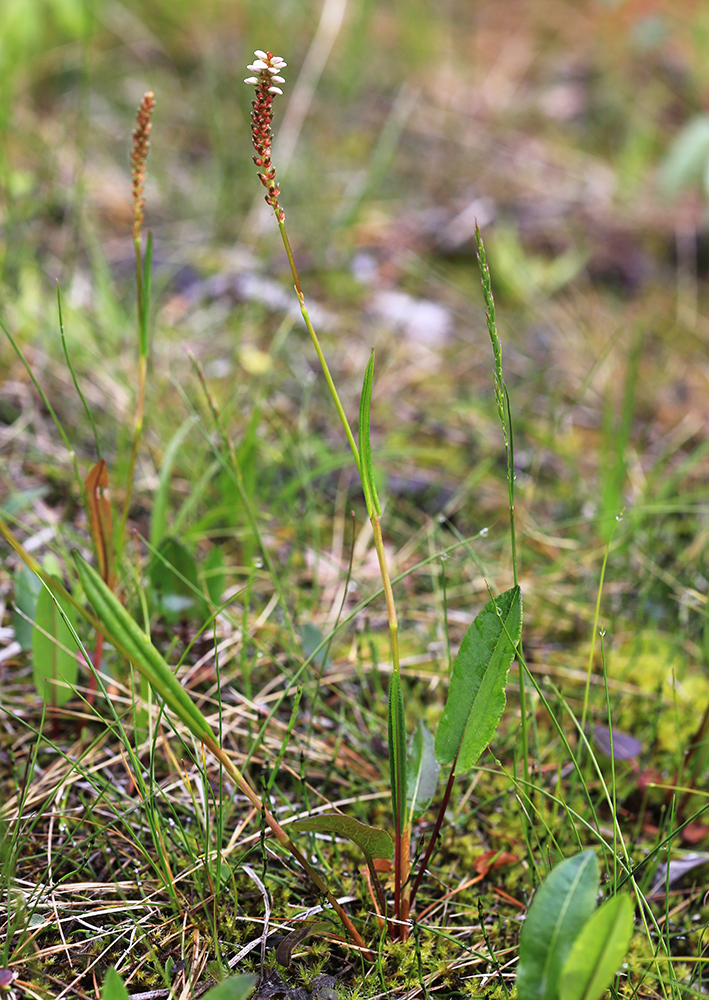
(173, 574)
(598, 951)
(233, 988)
(27, 588)
(476, 698)
(311, 637)
(122, 631)
(113, 987)
(559, 910)
(685, 163)
(397, 751)
(158, 517)
(422, 770)
(373, 842)
(54, 651)
(365, 444)
(214, 575)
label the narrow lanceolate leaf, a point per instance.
(598, 951)
(373, 842)
(113, 987)
(365, 444)
(476, 698)
(559, 911)
(123, 632)
(397, 751)
(98, 509)
(55, 666)
(422, 770)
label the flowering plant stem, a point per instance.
(266, 70)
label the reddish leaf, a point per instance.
(494, 859)
(100, 520)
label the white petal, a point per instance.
(260, 54)
(252, 80)
(275, 90)
(257, 66)
(277, 79)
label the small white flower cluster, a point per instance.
(265, 61)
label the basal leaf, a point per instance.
(422, 770)
(373, 843)
(113, 987)
(233, 988)
(476, 697)
(27, 588)
(598, 951)
(561, 907)
(54, 651)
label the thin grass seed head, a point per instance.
(138, 157)
(266, 70)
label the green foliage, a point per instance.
(232, 988)
(27, 589)
(598, 951)
(54, 652)
(372, 842)
(130, 639)
(566, 952)
(686, 163)
(175, 581)
(397, 751)
(113, 987)
(422, 770)
(476, 698)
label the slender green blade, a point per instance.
(54, 650)
(598, 951)
(476, 698)
(397, 751)
(422, 770)
(125, 633)
(365, 444)
(559, 910)
(373, 842)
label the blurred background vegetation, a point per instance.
(575, 133)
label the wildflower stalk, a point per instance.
(138, 159)
(266, 70)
